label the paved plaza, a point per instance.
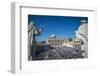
(60, 53)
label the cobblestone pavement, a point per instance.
(60, 53)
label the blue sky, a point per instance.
(61, 26)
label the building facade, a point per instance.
(54, 41)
